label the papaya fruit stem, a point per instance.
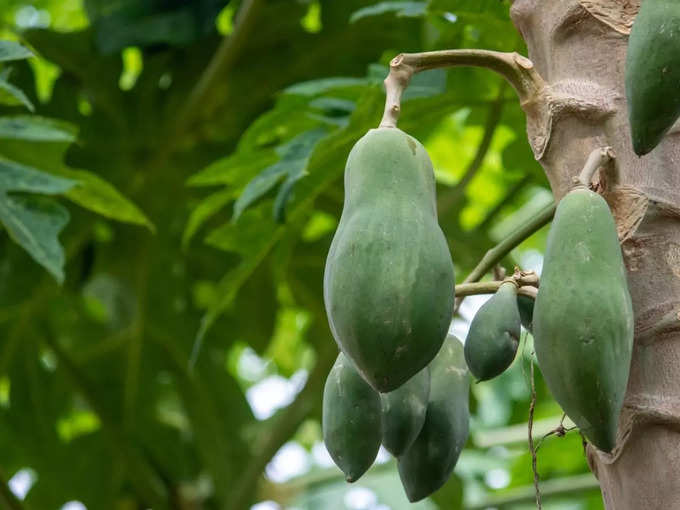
(515, 68)
(526, 287)
(498, 252)
(596, 160)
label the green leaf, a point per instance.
(252, 231)
(230, 170)
(405, 9)
(204, 211)
(11, 95)
(326, 165)
(11, 50)
(315, 87)
(16, 177)
(97, 195)
(34, 223)
(427, 84)
(34, 128)
(41, 142)
(293, 163)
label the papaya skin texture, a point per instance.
(652, 73)
(350, 419)
(525, 304)
(493, 339)
(429, 461)
(388, 281)
(583, 317)
(403, 412)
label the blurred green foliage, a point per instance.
(174, 339)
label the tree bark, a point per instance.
(579, 48)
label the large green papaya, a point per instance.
(403, 412)
(525, 304)
(652, 73)
(493, 338)
(351, 419)
(388, 282)
(583, 317)
(427, 464)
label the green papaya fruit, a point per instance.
(583, 316)
(652, 73)
(351, 419)
(388, 281)
(525, 304)
(427, 464)
(493, 338)
(403, 412)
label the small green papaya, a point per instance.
(525, 304)
(652, 73)
(388, 281)
(350, 419)
(583, 316)
(493, 338)
(427, 464)
(403, 412)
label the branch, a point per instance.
(558, 487)
(515, 68)
(527, 286)
(449, 198)
(498, 252)
(515, 434)
(222, 61)
(598, 158)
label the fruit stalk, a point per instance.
(515, 68)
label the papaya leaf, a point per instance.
(21, 178)
(204, 211)
(316, 87)
(41, 142)
(230, 170)
(292, 165)
(250, 234)
(326, 164)
(97, 195)
(11, 95)
(34, 128)
(35, 223)
(32, 222)
(401, 9)
(426, 84)
(11, 50)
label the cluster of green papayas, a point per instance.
(388, 281)
(583, 316)
(652, 73)
(389, 293)
(424, 423)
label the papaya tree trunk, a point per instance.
(578, 47)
